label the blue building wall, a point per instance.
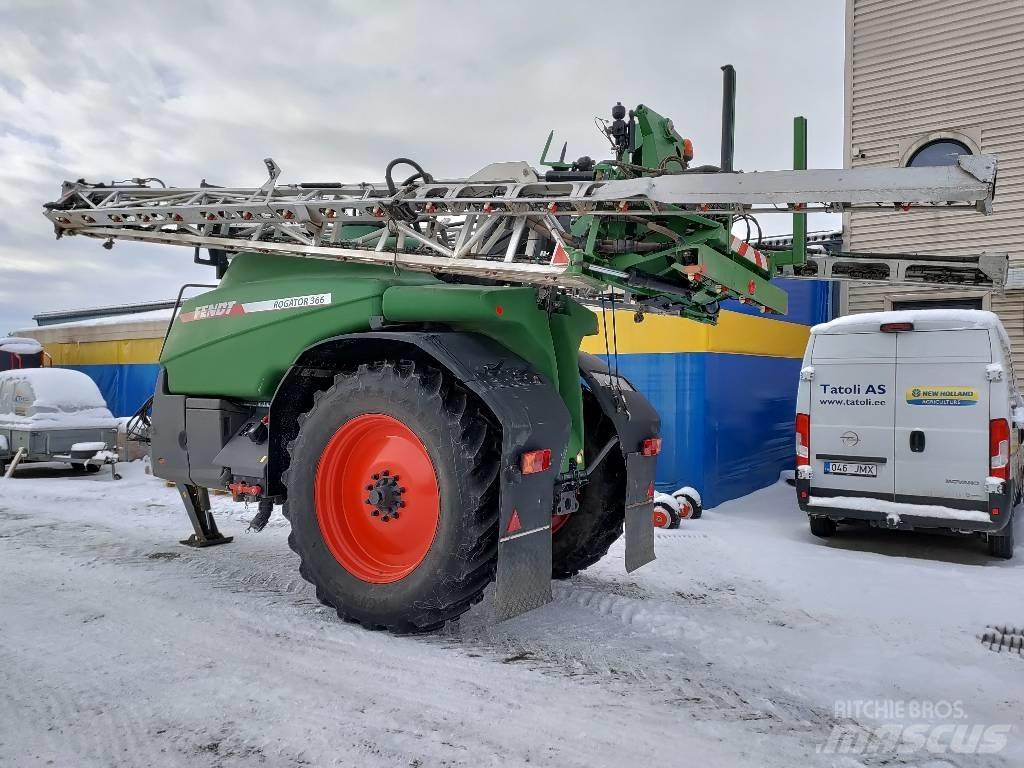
(125, 386)
(726, 394)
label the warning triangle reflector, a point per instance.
(559, 258)
(515, 524)
(650, 491)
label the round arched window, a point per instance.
(939, 152)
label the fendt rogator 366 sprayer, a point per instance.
(399, 364)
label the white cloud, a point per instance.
(194, 90)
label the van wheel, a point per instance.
(1002, 545)
(823, 527)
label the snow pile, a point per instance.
(90, 446)
(163, 315)
(993, 485)
(668, 501)
(895, 509)
(688, 491)
(19, 345)
(52, 398)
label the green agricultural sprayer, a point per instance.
(398, 364)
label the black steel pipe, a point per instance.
(728, 117)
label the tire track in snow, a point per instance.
(76, 719)
(271, 579)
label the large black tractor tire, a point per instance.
(450, 451)
(586, 535)
(1002, 546)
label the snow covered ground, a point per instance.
(748, 642)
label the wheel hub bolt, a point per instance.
(385, 496)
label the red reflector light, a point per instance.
(650, 491)
(803, 439)
(999, 448)
(995, 511)
(895, 327)
(651, 446)
(532, 462)
(514, 523)
(687, 149)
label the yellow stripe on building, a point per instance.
(735, 333)
(121, 352)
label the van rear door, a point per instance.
(942, 415)
(852, 414)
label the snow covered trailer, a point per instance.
(54, 414)
(911, 420)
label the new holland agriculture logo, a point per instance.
(942, 396)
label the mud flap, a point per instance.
(635, 420)
(639, 506)
(523, 580)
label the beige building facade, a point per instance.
(926, 79)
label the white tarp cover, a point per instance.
(51, 398)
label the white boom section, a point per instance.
(969, 181)
(986, 270)
(503, 223)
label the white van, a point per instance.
(910, 420)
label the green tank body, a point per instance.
(238, 340)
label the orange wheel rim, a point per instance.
(660, 518)
(377, 499)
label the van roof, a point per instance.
(923, 320)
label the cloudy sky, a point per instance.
(193, 90)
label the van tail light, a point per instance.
(999, 448)
(803, 439)
(895, 327)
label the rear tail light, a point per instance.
(803, 439)
(532, 462)
(999, 448)
(895, 327)
(651, 446)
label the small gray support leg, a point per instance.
(197, 504)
